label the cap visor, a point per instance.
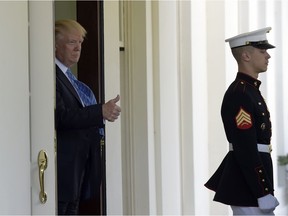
(264, 46)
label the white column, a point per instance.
(167, 130)
(150, 111)
(113, 130)
(199, 105)
(138, 158)
(186, 100)
(215, 88)
(231, 29)
(282, 45)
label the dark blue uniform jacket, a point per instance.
(244, 174)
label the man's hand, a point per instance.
(111, 110)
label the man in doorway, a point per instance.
(78, 120)
(244, 179)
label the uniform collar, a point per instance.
(252, 81)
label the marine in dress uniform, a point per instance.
(244, 179)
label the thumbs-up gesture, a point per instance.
(111, 110)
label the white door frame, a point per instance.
(42, 101)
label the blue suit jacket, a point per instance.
(78, 143)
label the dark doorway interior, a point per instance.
(91, 72)
(90, 65)
(90, 69)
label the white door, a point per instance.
(27, 106)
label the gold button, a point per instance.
(263, 126)
(242, 82)
(263, 114)
(263, 180)
(260, 171)
(259, 103)
(266, 189)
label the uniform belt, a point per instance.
(261, 147)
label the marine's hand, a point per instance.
(111, 110)
(268, 203)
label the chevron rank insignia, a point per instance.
(243, 119)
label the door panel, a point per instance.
(27, 106)
(42, 89)
(14, 110)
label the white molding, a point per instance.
(114, 175)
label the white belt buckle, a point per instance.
(270, 148)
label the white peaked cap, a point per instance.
(255, 38)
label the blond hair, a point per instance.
(68, 25)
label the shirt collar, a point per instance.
(62, 67)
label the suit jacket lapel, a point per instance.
(67, 83)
